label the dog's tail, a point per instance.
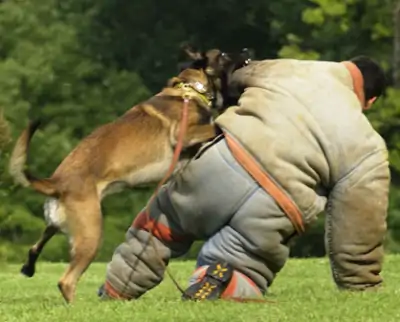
(17, 164)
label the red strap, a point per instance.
(253, 168)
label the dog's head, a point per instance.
(213, 69)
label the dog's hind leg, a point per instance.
(85, 228)
(28, 269)
(55, 218)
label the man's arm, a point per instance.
(356, 223)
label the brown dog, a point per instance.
(135, 149)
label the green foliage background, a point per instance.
(77, 64)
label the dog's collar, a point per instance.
(198, 88)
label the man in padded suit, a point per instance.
(301, 125)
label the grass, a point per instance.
(304, 291)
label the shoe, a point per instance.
(212, 285)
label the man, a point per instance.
(296, 144)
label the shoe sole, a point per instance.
(212, 285)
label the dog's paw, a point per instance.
(28, 271)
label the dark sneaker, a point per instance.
(212, 284)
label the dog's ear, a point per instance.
(191, 52)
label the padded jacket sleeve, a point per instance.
(356, 223)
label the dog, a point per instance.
(134, 150)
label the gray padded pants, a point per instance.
(213, 199)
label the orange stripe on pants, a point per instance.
(157, 229)
(113, 293)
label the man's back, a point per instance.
(304, 124)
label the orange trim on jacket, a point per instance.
(264, 180)
(358, 80)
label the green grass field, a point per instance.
(304, 291)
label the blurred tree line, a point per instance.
(77, 64)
